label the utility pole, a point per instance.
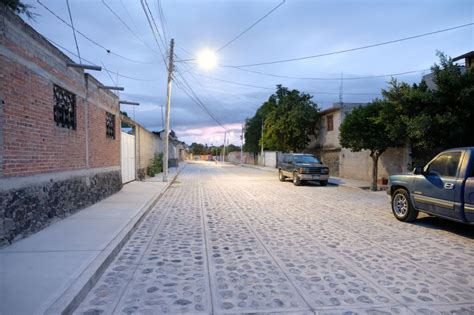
(167, 113)
(242, 146)
(261, 146)
(223, 154)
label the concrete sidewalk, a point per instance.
(51, 270)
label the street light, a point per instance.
(207, 59)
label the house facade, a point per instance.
(343, 162)
(59, 133)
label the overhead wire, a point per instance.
(332, 78)
(149, 20)
(184, 85)
(250, 27)
(73, 30)
(351, 49)
(127, 26)
(109, 51)
(95, 64)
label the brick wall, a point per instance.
(32, 143)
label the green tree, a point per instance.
(367, 128)
(253, 127)
(434, 119)
(289, 118)
(198, 148)
(293, 119)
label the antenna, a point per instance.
(341, 89)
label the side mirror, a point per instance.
(418, 170)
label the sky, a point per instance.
(297, 28)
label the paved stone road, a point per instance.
(235, 240)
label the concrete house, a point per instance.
(344, 163)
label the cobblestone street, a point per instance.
(226, 239)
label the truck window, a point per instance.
(446, 164)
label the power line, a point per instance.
(127, 26)
(162, 17)
(154, 23)
(187, 89)
(352, 49)
(270, 88)
(88, 38)
(73, 30)
(329, 78)
(94, 64)
(149, 20)
(251, 26)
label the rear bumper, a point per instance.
(313, 176)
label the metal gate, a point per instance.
(127, 149)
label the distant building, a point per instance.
(468, 64)
(344, 163)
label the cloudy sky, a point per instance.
(297, 28)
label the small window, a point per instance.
(110, 125)
(446, 164)
(329, 123)
(64, 108)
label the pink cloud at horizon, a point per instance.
(212, 135)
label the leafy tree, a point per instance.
(19, 7)
(253, 127)
(293, 120)
(434, 119)
(198, 148)
(367, 128)
(288, 117)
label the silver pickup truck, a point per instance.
(444, 187)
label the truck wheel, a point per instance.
(296, 179)
(281, 177)
(402, 208)
(323, 182)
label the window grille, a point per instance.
(64, 108)
(110, 125)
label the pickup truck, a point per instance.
(302, 167)
(443, 188)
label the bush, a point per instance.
(156, 165)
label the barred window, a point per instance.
(64, 108)
(110, 125)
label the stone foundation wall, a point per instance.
(28, 209)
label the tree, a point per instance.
(253, 127)
(367, 128)
(293, 119)
(289, 118)
(19, 7)
(198, 148)
(432, 120)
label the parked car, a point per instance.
(302, 167)
(443, 188)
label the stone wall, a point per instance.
(26, 209)
(47, 170)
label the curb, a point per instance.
(70, 299)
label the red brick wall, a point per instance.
(32, 143)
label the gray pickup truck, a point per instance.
(443, 188)
(302, 167)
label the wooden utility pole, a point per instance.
(167, 113)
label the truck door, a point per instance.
(469, 195)
(434, 190)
